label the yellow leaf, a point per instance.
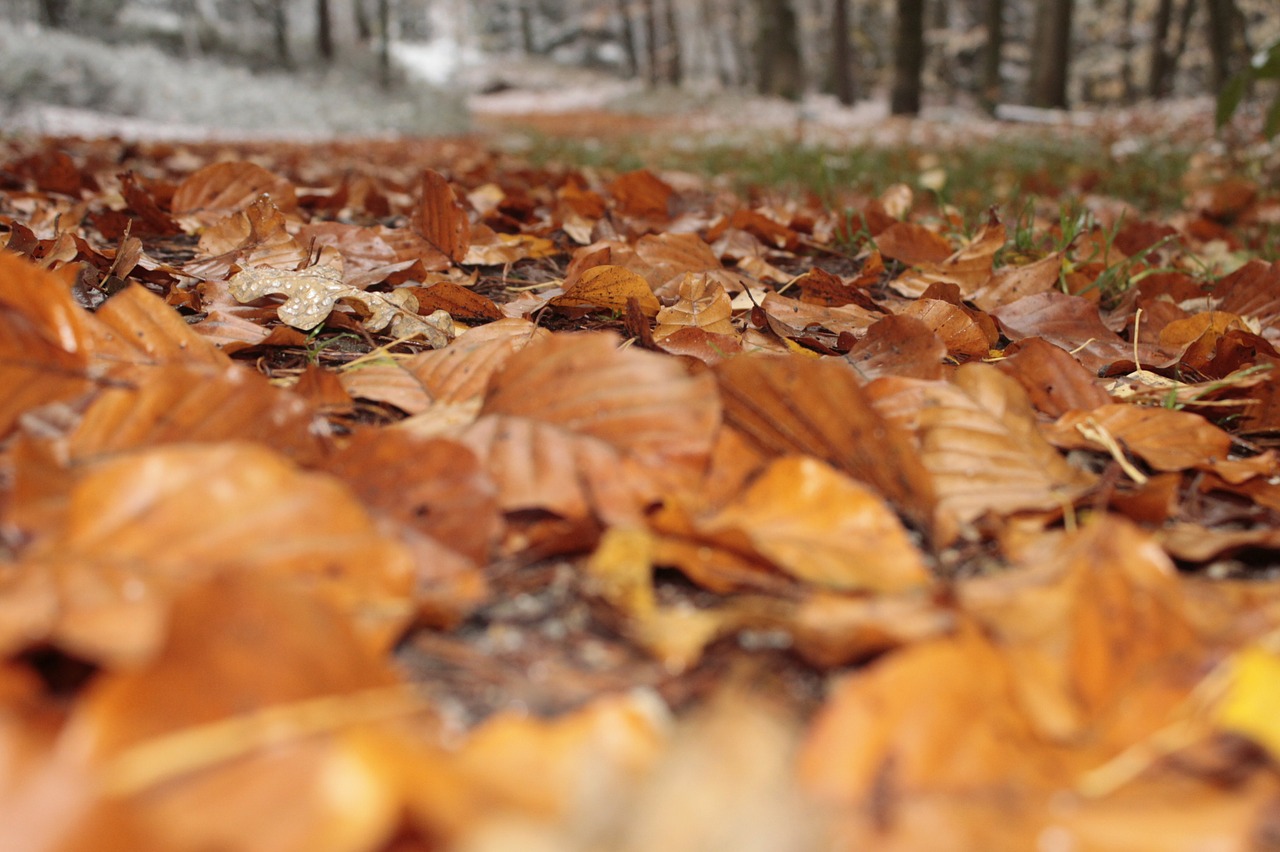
(1253, 695)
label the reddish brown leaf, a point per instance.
(1071, 323)
(440, 218)
(1163, 438)
(461, 370)
(457, 301)
(795, 405)
(912, 244)
(218, 190)
(642, 194)
(44, 341)
(964, 338)
(1055, 382)
(898, 345)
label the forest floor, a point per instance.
(744, 476)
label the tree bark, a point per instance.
(1158, 82)
(672, 48)
(384, 43)
(280, 31)
(55, 13)
(992, 81)
(843, 84)
(1052, 50)
(651, 43)
(780, 72)
(324, 30)
(908, 58)
(628, 38)
(1224, 45)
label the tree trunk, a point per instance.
(528, 43)
(280, 31)
(364, 27)
(384, 43)
(908, 58)
(324, 30)
(1224, 45)
(1129, 88)
(992, 81)
(1158, 82)
(55, 13)
(843, 84)
(778, 51)
(654, 70)
(674, 63)
(1052, 50)
(628, 38)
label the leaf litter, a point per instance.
(531, 507)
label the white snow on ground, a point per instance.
(438, 62)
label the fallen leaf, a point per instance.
(820, 527)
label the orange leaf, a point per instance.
(610, 287)
(821, 527)
(139, 525)
(642, 194)
(441, 219)
(912, 244)
(795, 405)
(1163, 438)
(218, 190)
(44, 340)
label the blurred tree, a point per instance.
(672, 48)
(384, 43)
(992, 83)
(1051, 52)
(1227, 45)
(324, 30)
(627, 37)
(843, 84)
(778, 63)
(908, 58)
(55, 13)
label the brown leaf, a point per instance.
(703, 304)
(562, 413)
(969, 267)
(794, 405)
(642, 194)
(1097, 626)
(898, 345)
(212, 719)
(138, 526)
(221, 189)
(441, 219)
(1010, 283)
(820, 527)
(1055, 382)
(610, 287)
(912, 244)
(641, 403)
(457, 301)
(963, 337)
(980, 444)
(1071, 323)
(1165, 439)
(45, 341)
(461, 370)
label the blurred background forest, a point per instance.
(310, 66)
